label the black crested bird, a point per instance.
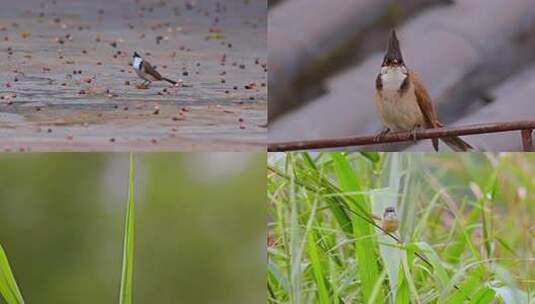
(402, 99)
(147, 72)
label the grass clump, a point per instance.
(465, 236)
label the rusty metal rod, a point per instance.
(408, 136)
(527, 140)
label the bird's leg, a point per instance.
(413, 131)
(381, 134)
(143, 85)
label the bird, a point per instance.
(147, 72)
(390, 221)
(402, 100)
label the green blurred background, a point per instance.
(200, 226)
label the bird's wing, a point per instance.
(426, 106)
(151, 70)
(424, 102)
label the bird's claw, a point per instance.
(143, 86)
(381, 134)
(413, 133)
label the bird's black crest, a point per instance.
(393, 52)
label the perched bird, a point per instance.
(147, 72)
(390, 221)
(402, 100)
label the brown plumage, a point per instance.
(150, 70)
(390, 221)
(147, 72)
(431, 119)
(402, 99)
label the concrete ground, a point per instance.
(66, 83)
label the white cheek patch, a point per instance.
(393, 78)
(137, 63)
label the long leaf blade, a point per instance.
(8, 286)
(127, 275)
(365, 244)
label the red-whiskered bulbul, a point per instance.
(147, 72)
(402, 100)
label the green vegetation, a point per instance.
(9, 289)
(127, 274)
(8, 286)
(467, 224)
(199, 228)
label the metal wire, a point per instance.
(526, 127)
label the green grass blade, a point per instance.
(365, 245)
(465, 290)
(127, 275)
(336, 204)
(277, 279)
(295, 238)
(317, 268)
(8, 286)
(438, 269)
(484, 295)
(377, 289)
(314, 255)
(460, 242)
(406, 261)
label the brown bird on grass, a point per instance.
(389, 220)
(402, 100)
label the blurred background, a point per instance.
(476, 58)
(200, 226)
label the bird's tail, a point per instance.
(169, 80)
(435, 144)
(457, 144)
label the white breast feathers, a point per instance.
(137, 63)
(392, 78)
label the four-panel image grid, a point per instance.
(267, 151)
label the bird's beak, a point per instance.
(393, 52)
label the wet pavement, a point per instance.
(66, 82)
